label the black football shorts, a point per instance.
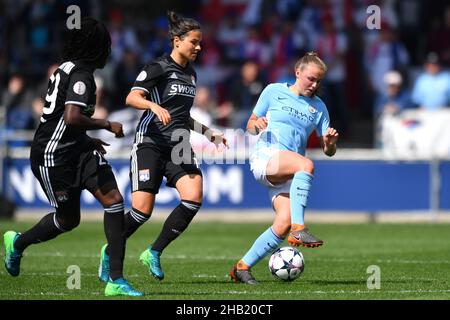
(64, 184)
(149, 163)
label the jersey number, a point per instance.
(51, 94)
(101, 160)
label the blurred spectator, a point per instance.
(438, 40)
(16, 101)
(386, 53)
(157, 43)
(413, 18)
(285, 47)
(254, 48)
(288, 9)
(395, 98)
(332, 48)
(202, 110)
(231, 35)
(122, 37)
(252, 12)
(309, 22)
(244, 92)
(210, 54)
(212, 11)
(432, 88)
(124, 77)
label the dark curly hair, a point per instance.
(179, 26)
(90, 43)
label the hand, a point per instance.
(116, 128)
(391, 108)
(260, 124)
(99, 145)
(162, 114)
(331, 137)
(217, 138)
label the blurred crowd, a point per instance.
(246, 45)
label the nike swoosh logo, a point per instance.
(281, 98)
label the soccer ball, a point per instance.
(286, 263)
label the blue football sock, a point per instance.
(299, 192)
(267, 242)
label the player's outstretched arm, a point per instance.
(214, 136)
(74, 118)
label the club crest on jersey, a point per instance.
(144, 175)
(193, 80)
(141, 76)
(79, 88)
(312, 109)
(61, 196)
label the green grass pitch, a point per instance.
(413, 260)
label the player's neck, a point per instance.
(295, 90)
(179, 59)
(298, 92)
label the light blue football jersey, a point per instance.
(291, 118)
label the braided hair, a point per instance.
(90, 43)
(180, 26)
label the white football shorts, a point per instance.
(258, 164)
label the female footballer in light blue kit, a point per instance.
(286, 115)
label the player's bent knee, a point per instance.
(68, 223)
(114, 199)
(145, 208)
(281, 229)
(194, 198)
(143, 202)
(308, 166)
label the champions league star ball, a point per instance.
(286, 263)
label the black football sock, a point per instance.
(114, 231)
(132, 221)
(176, 223)
(47, 228)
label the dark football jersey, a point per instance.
(173, 87)
(54, 142)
